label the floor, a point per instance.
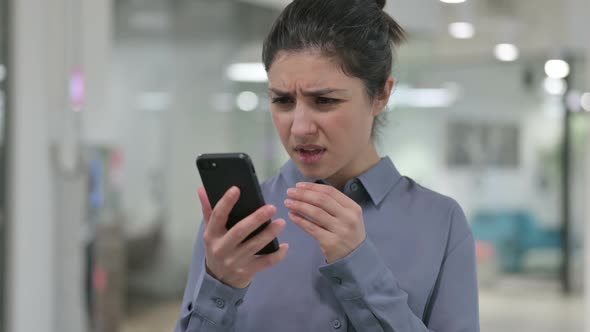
(530, 305)
(158, 318)
(512, 304)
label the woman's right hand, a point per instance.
(228, 258)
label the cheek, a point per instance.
(282, 123)
(348, 125)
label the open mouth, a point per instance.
(310, 153)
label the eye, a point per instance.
(325, 100)
(282, 100)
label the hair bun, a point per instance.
(381, 3)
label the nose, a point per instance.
(303, 121)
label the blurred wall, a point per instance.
(31, 262)
(50, 42)
(586, 259)
(170, 96)
(490, 93)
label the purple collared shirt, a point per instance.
(416, 270)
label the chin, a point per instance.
(317, 172)
(312, 174)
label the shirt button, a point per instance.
(336, 280)
(336, 324)
(220, 303)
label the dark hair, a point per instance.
(357, 32)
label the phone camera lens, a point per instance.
(214, 164)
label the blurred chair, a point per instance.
(514, 234)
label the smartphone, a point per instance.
(221, 171)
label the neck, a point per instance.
(360, 164)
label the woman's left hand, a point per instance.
(336, 220)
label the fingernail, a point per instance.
(301, 184)
(291, 191)
(288, 202)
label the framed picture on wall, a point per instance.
(483, 145)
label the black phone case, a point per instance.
(221, 171)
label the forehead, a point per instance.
(306, 69)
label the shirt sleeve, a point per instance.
(373, 301)
(208, 305)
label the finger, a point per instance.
(316, 198)
(245, 227)
(317, 215)
(222, 209)
(336, 194)
(261, 240)
(205, 205)
(317, 232)
(262, 263)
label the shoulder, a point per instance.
(414, 195)
(431, 207)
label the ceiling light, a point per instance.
(422, 98)
(585, 101)
(247, 101)
(247, 72)
(452, 1)
(461, 30)
(506, 52)
(557, 68)
(555, 86)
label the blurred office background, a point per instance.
(105, 104)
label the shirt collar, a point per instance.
(377, 181)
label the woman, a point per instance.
(375, 251)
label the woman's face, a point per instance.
(323, 117)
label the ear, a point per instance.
(381, 100)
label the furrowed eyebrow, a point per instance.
(279, 92)
(310, 93)
(316, 93)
